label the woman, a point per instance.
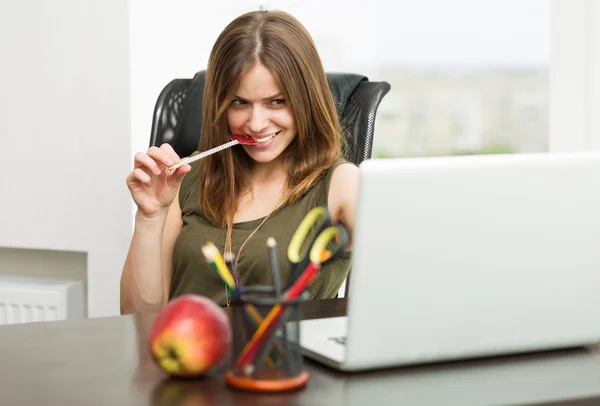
(264, 80)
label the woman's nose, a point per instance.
(259, 120)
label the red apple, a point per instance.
(190, 336)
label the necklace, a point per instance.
(235, 264)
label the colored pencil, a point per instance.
(272, 247)
(266, 327)
(213, 257)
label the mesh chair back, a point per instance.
(177, 116)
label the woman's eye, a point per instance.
(238, 102)
(278, 102)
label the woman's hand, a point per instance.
(152, 186)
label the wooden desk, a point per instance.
(105, 361)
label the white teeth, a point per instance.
(265, 139)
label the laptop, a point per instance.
(465, 257)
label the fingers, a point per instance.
(146, 162)
(154, 162)
(178, 174)
(139, 176)
(165, 155)
(160, 156)
(182, 170)
(156, 159)
(168, 149)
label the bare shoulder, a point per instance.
(343, 174)
(343, 194)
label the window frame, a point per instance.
(574, 85)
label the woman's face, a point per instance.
(259, 111)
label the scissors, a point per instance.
(315, 240)
(314, 243)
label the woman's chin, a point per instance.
(262, 156)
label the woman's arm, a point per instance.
(147, 271)
(343, 197)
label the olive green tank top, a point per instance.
(192, 274)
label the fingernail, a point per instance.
(169, 162)
(157, 171)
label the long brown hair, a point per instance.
(279, 42)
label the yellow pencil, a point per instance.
(213, 256)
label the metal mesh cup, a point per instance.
(277, 363)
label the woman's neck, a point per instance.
(264, 174)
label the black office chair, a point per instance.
(177, 116)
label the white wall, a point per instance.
(64, 127)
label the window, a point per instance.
(467, 77)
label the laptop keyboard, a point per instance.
(340, 340)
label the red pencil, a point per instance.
(249, 351)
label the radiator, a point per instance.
(26, 300)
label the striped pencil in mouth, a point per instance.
(235, 140)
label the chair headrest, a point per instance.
(342, 86)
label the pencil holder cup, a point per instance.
(266, 342)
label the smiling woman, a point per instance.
(260, 112)
(264, 81)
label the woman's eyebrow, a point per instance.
(272, 97)
(264, 99)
